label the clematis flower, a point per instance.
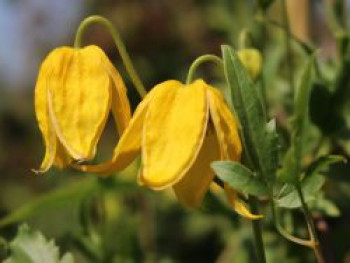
(179, 130)
(252, 61)
(75, 91)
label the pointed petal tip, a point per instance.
(38, 171)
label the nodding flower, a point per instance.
(75, 92)
(179, 130)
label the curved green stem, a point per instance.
(195, 64)
(244, 38)
(119, 44)
(284, 233)
(311, 226)
(288, 46)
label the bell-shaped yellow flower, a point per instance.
(179, 130)
(75, 91)
(252, 61)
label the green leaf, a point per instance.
(311, 183)
(259, 139)
(310, 187)
(31, 247)
(72, 192)
(239, 177)
(270, 151)
(322, 163)
(291, 168)
(326, 207)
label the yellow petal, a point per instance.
(225, 125)
(120, 102)
(238, 205)
(51, 65)
(174, 130)
(191, 189)
(129, 144)
(81, 98)
(62, 158)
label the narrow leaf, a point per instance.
(239, 177)
(322, 163)
(310, 187)
(292, 161)
(72, 192)
(270, 151)
(326, 207)
(249, 109)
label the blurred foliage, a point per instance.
(128, 223)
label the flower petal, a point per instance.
(238, 205)
(191, 189)
(120, 102)
(62, 158)
(225, 125)
(129, 144)
(51, 65)
(173, 133)
(81, 98)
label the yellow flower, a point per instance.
(75, 91)
(179, 130)
(252, 61)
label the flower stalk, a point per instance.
(311, 226)
(288, 45)
(200, 60)
(119, 44)
(284, 233)
(257, 231)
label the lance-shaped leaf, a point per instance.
(322, 163)
(310, 187)
(239, 177)
(258, 138)
(69, 193)
(291, 168)
(270, 151)
(310, 184)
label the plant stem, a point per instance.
(119, 44)
(263, 41)
(284, 233)
(288, 45)
(257, 230)
(198, 61)
(311, 226)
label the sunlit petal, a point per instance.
(174, 130)
(51, 65)
(129, 144)
(81, 99)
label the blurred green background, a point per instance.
(163, 38)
